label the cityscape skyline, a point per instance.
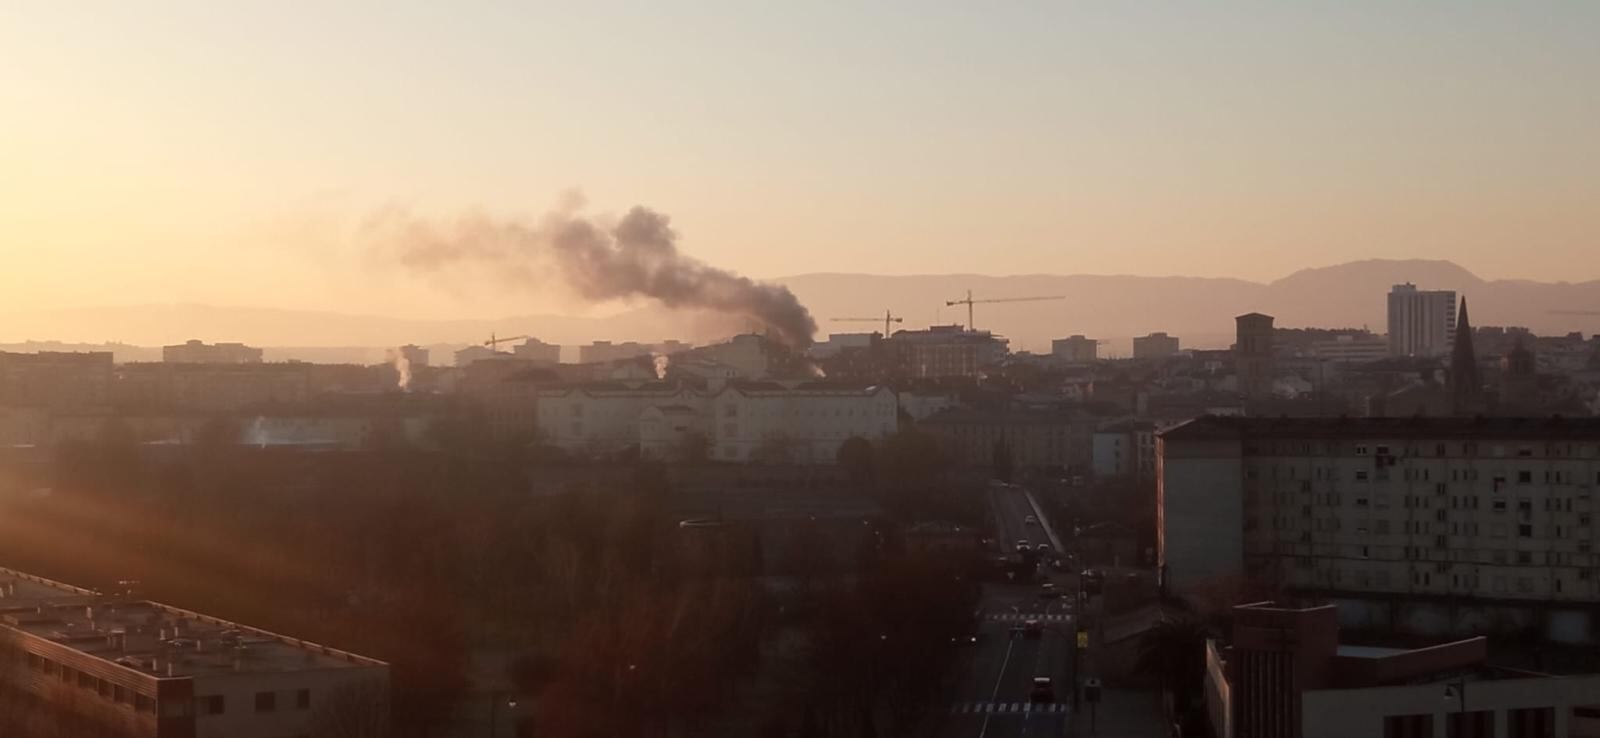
(133, 129)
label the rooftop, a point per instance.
(151, 638)
(1218, 428)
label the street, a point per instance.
(993, 698)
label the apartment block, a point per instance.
(1155, 346)
(131, 667)
(1491, 508)
(199, 352)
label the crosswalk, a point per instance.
(1003, 708)
(1018, 617)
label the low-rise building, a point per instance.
(538, 352)
(1351, 349)
(1075, 349)
(793, 421)
(606, 351)
(1155, 346)
(945, 351)
(198, 352)
(1032, 439)
(1284, 672)
(55, 379)
(125, 666)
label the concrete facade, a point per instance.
(1492, 509)
(1421, 322)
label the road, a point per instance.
(992, 699)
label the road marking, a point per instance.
(983, 731)
(1008, 617)
(1008, 708)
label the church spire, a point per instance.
(1466, 387)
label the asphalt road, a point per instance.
(993, 696)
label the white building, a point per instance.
(1421, 322)
(1491, 508)
(802, 422)
(1351, 349)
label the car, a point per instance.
(1023, 546)
(1043, 690)
(1031, 520)
(1043, 548)
(1093, 581)
(1032, 629)
(1048, 591)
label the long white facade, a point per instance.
(1471, 508)
(801, 422)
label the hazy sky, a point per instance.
(223, 151)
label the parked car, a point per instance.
(1031, 520)
(1048, 591)
(1032, 629)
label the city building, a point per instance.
(472, 354)
(945, 351)
(1075, 349)
(1421, 322)
(1351, 349)
(749, 355)
(1125, 450)
(210, 387)
(1466, 385)
(197, 352)
(1252, 355)
(1032, 439)
(114, 664)
(791, 421)
(1155, 346)
(1422, 508)
(414, 355)
(1284, 672)
(606, 351)
(840, 342)
(538, 352)
(55, 379)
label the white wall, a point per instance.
(1202, 518)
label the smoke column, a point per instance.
(638, 257)
(402, 368)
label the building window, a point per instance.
(210, 705)
(1524, 477)
(1524, 557)
(1525, 530)
(302, 699)
(1361, 476)
(266, 702)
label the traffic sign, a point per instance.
(1083, 639)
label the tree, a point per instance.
(1174, 652)
(359, 709)
(856, 458)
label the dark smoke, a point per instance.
(638, 257)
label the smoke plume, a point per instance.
(637, 257)
(402, 368)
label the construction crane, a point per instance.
(888, 317)
(969, 302)
(493, 341)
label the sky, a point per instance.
(228, 153)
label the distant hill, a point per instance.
(1112, 308)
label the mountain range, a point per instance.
(1111, 308)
